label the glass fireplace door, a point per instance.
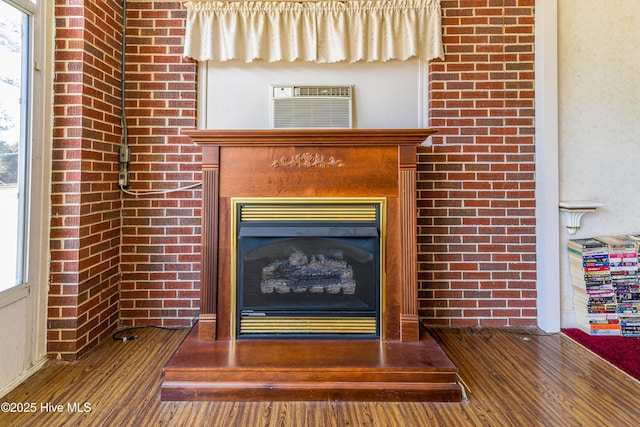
(311, 276)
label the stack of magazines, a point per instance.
(594, 296)
(604, 274)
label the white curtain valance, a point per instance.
(323, 32)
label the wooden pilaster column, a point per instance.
(210, 219)
(409, 322)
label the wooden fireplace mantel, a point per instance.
(403, 364)
(311, 163)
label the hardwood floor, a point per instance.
(511, 378)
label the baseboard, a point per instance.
(23, 376)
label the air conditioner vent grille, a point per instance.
(311, 107)
(344, 91)
(309, 113)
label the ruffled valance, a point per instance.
(323, 32)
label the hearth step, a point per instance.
(310, 370)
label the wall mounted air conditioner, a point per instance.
(311, 106)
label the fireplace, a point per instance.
(308, 282)
(307, 268)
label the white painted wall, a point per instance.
(599, 120)
(387, 95)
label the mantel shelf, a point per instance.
(287, 137)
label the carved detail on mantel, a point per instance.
(307, 160)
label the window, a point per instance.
(15, 109)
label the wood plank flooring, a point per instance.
(511, 378)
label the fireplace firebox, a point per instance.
(308, 268)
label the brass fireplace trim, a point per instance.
(308, 324)
(296, 212)
(284, 203)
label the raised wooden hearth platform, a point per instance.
(310, 370)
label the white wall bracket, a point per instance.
(572, 213)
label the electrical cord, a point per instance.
(130, 337)
(167, 191)
(123, 81)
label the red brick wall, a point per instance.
(161, 232)
(476, 231)
(135, 258)
(85, 222)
